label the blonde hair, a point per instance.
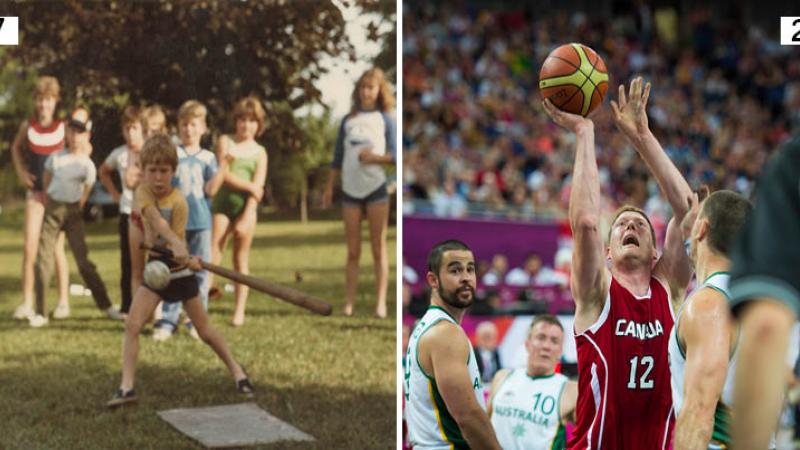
(191, 109)
(250, 107)
(159, 149)
(151, 112)
(47, 86)
(385, 101)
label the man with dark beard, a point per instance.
(445, 407)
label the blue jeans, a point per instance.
(199, 243)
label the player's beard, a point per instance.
(453, 297)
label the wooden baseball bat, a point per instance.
(284, 293)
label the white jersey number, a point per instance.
(646, 363)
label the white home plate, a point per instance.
(232, 425)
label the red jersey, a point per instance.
(624, 393)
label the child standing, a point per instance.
(235, 206)
(198, 179)
(37, 138)
(68, 178)
(165, 213)
(366, 142)
(124, 159)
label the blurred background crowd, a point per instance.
(476, 140)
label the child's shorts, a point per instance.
(180, 289)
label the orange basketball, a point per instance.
(574, 78)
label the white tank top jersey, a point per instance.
(430, 424)
(720, 437)
(526, 412)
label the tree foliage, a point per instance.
(112, 53)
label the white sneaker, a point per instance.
(61, 312)
(113, 313)
(37, 321)
(161, 334)
(24, 312)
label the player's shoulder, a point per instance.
(708, 299)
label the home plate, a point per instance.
(232, 425)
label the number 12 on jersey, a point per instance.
(640, 371)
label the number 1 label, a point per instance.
(9, 30)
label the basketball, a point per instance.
(574, 78)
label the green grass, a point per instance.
(332, 377)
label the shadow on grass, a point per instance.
(62, 405)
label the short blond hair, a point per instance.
(47, 86)
(151, 112)
(192, 109)
(250, 107)
(631, 208)
(159, 149)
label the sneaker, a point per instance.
(61, 311)
(113, 313)
(245, 387)
(24, 312)
(121, 398)
(37, 321)
(161, 334)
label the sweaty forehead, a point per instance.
(459, 256)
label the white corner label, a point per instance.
(9, 30)
(790, 30)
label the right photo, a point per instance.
(600, 225)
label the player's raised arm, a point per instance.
(589, 279)
(449, 353)
(707, 354)
(630, 117)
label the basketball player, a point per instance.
(529, 407)
(765, 290)
(443, 393)
(623, 312)
(702, 345)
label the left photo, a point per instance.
(198, 225)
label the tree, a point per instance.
(217, 51)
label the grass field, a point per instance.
(332, 377)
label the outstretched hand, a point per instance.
(694, 209)
(630, 114)
(572, 122)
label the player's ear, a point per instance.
(433, 280)
(703, 229)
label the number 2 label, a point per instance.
(790, 30)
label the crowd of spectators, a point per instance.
(477, 142)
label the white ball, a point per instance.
(156, 275)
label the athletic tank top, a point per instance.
(430, 425)
(720, 436)
(42, 142)
(526, 412)
(624, 396)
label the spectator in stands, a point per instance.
(497, 271)
(533, 273)
(486, 354)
